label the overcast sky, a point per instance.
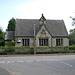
(32, 9)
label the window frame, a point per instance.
(25, 42)
(43, 42)
(59, 41)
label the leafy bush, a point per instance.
(11, 43)
(22, 50)
(72, 46)
(2, 49)
(30, 50)
(9, 49)
(51, 49)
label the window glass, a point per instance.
(25, 42)
(43, 42)
(59, 42)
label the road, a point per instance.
(39, 65)
(4, 72)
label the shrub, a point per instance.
(9, 49)
(2, 50)
(22, 50)
(31, 50)
(11, 43)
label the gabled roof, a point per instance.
(25, 27)
(56, 28)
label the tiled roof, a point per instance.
(25, 27)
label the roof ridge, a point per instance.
(46, 19)
(27, 19)
(54, 20)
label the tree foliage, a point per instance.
(1, 36)
(10, 43)
(72, 33)
(11, 25)
(73, 21)
(72, 37)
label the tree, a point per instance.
(72, 33)
(11, 25)
(1, 37)
(72, 37)
(73, 21)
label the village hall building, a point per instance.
(50, 33)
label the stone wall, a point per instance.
(41, 35)
(31, 41)
(65, 42)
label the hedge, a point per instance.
(30, 50)
(51, 49)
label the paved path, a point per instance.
(39, 65)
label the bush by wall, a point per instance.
(51, 50)
(30, 50)
(72, 49)
(24, 50)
